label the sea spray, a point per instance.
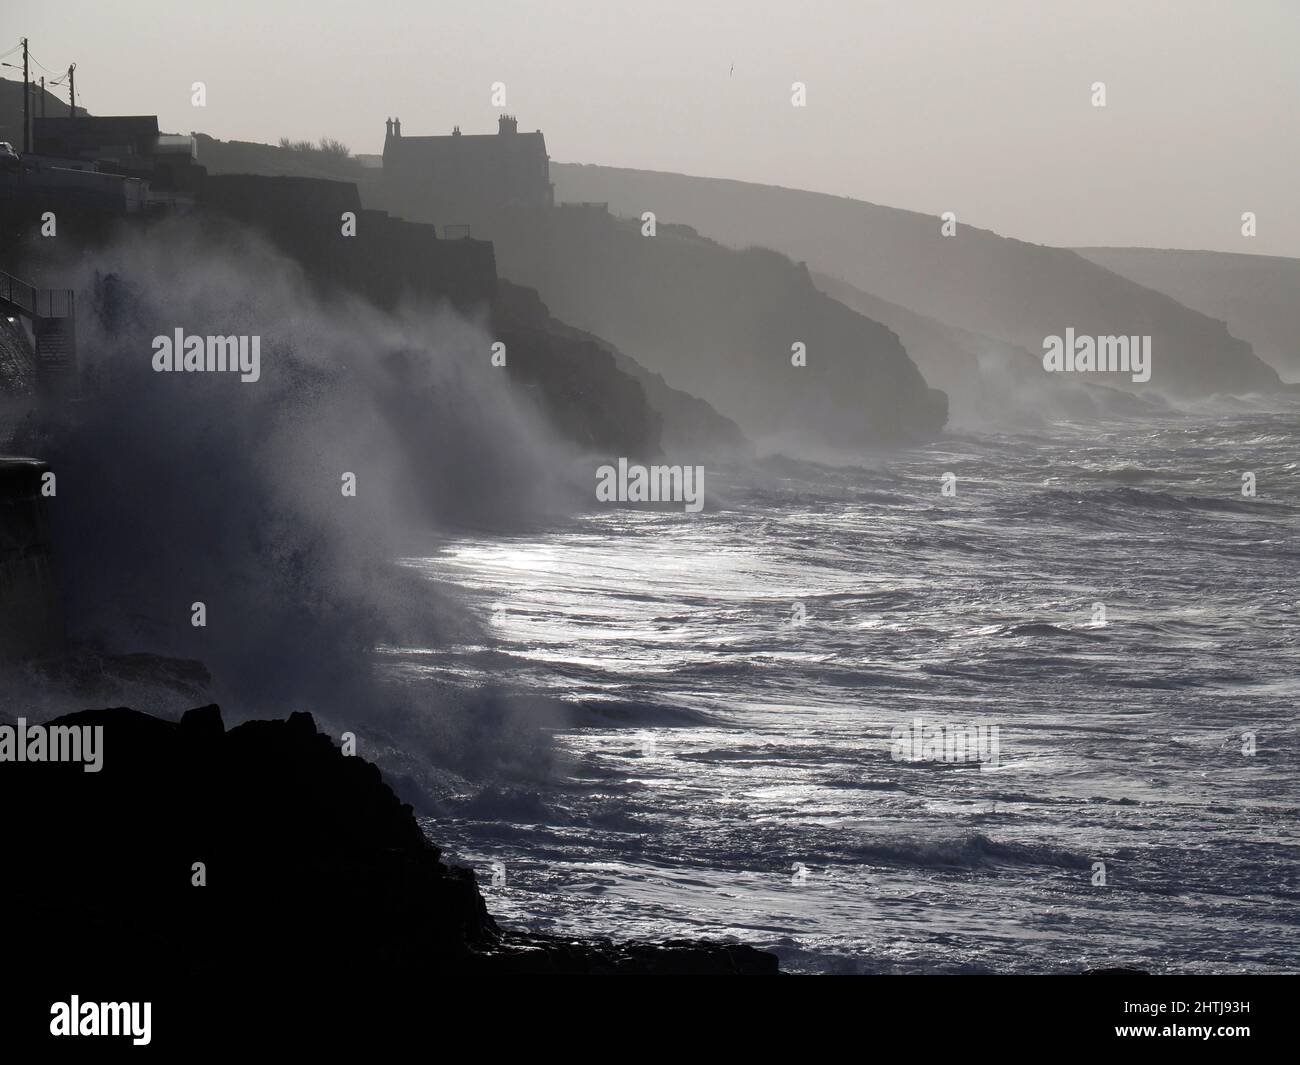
(177, 490)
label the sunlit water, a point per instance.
(741, 741)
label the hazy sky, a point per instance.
(980, 107)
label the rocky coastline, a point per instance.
(198, 851)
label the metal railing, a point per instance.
(35, 302)
(18, 293)
(54, 303)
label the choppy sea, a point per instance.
(1106, 596)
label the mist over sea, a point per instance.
(731, 679)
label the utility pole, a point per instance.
(27, 105)
(72, 91)
(42, 96)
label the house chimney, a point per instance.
(397, 127)
(455, 131)
(507, 124)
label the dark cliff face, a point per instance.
(573, 379)
(677, 423)
(592, 394)
(315, 873)
(721, 325)
(706, 330)
(688, 425)
(385, 259)
(589, 399)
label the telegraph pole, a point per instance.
(42, 96)
(27, 105)
(72, 91)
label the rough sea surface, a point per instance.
(728, 742)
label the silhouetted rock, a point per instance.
(314, 871)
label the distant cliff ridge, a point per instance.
(1256, 296)
(988, 381)
(977, 280)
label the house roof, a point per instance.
(464, 148)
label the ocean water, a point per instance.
(740, 673)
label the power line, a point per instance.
(39, 63)
(56, 81)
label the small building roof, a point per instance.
(464, 149)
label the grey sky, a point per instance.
(982, 108)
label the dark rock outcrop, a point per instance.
(542, 347)
(315, 873)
